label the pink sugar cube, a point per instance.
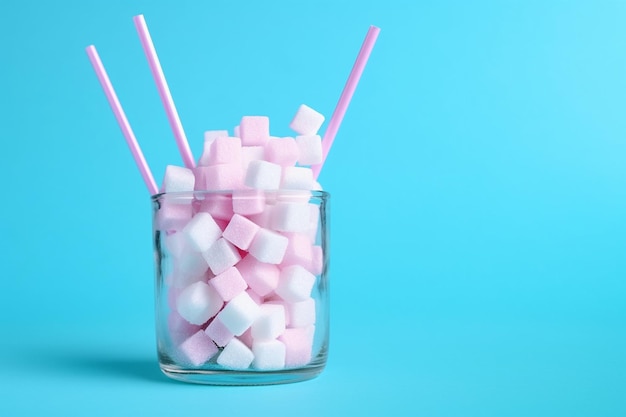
(247, 202)
(200, 173)
(225, 150)
(218, 206)
(299, 251)
(254, 130)
(240, 231)
(264, 218)
(261, 277)
(299, 345)
(209, 137)
(199, 348)
(218, 332)
(179, 328)
(229, 283)
(281, 151)
(222, 177)
(172, 216)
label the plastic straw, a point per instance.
(146, 174)
(164, 91)
(346, 95)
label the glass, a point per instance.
(241, 285)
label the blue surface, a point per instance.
(478, 201)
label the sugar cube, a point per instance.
(198, 303)
(268, 246)
(239, 314)
(240, 231)
(268, 354)
(236, 355)
(229, 283)
(306, 121)
(254, 130)
(198, 348)
(221, 256)
(295, 283)
(178, 179)
(309, 149)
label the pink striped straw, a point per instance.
(146, 174)
(164, 91)
(346, 95)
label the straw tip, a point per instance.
(138, 18)
(91, 51)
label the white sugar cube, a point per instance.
(268, 354)
(270, 323)
(309, 149)
(239, 314)
(306, 121)
(202, 231)
(297, 178)
(261, 277)
(268, 246)
(178, 179)
(211, 135)
(198, 303)
(263, 175)
(221, 256)
(302, 313)
(188, 267)
(251, 153)
(236, 355)
(291, 217)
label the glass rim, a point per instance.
(321, 194)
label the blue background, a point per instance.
(478, 201)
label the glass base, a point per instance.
(231, 377)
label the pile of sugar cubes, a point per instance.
(242, 265)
